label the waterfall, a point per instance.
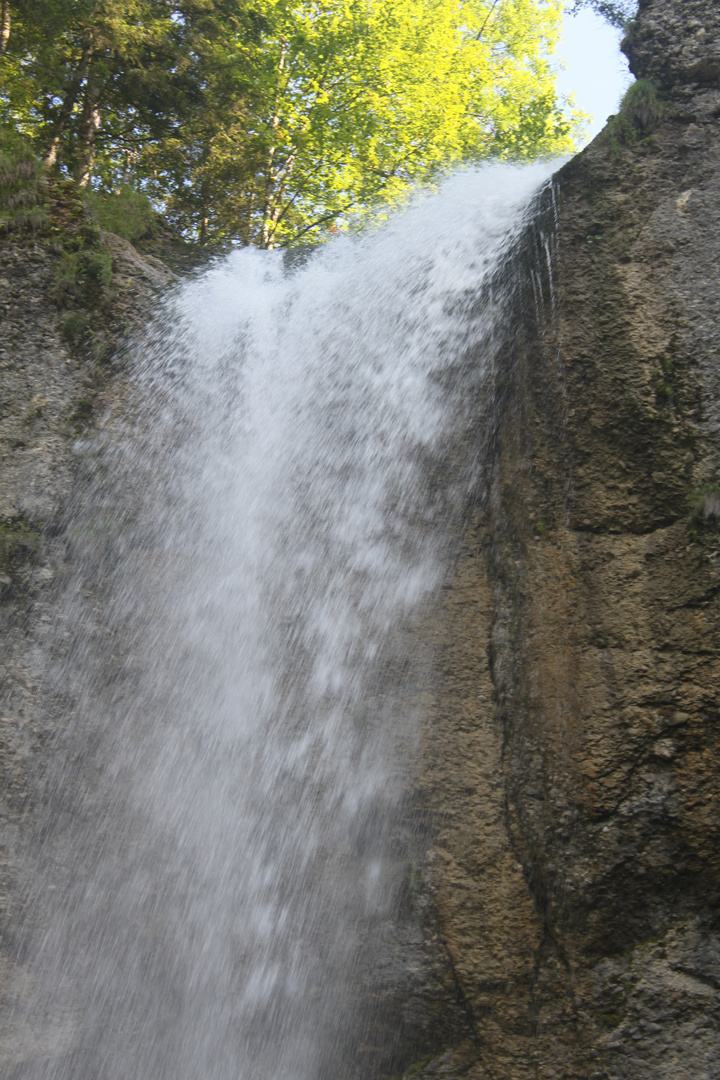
(235, 671)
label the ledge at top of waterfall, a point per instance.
(263, 532)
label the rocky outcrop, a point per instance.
(677, 46)
(573, 751)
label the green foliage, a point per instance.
(76, 327)
(125, 211)
(263, 121)
(81, 276)
(84, 270)
(643, 106)
(67, 215)
(641, 110)
(617, 12)
(352, 105)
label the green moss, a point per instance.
(663, 380)
(84, 269)
(83, 275)
(418, 1066)
(610, 1020)
(95, 269)
(76, 327)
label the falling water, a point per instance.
(233, 669)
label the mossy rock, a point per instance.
(76, 328)
(82, 276)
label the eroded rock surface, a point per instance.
(573, 748)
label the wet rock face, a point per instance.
(675, 43)
(50, 388)
(575, 736)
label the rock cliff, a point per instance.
(572, 757)
(571, 786)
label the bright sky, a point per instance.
(596, 72)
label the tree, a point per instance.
(349, 104)
(30, 32)
(210, 152)
(264, 121)
(82, 76)
(617, 12)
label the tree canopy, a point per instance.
(270, 121)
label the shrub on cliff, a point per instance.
(641, 110)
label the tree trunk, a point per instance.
(271, 199)
(204, 222)
(4, 25)
(130, 159)
(88, 134)
(204, 209)
(273, 215)
(66, 110)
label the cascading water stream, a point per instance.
(236, 656)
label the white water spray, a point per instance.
(225, 826)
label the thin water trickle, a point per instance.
(235, 661)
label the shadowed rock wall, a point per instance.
(573, 749)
